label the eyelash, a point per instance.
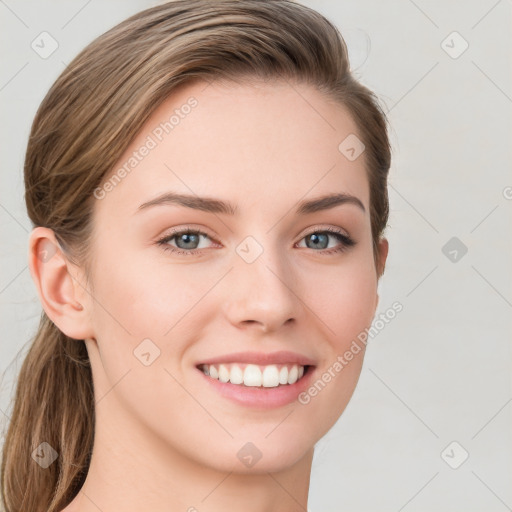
(346, 241)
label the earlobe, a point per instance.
(61, 294)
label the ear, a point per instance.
(381, 261)
(60, 285)
(383, 255)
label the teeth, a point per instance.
(293, 375)
(252, 375)
(236, 375)
(223, 373)
(270, 377)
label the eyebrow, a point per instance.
(208, 204)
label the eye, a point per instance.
(320, 239)
(187, 241)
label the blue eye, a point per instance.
(184, 240)
(321, 238)
(187, 241)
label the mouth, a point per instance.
(256, 376)
(256, 379)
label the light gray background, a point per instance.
(440, 371)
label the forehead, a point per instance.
(256, 142)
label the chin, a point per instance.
(258, 455)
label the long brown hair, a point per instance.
(87, 120)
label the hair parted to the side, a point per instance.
(87, 120)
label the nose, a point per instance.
(260, 295)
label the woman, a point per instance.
(208, 189)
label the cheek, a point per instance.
(345, 299)
(140, 313)
(146, 307)
(141, 298)
(346, 312)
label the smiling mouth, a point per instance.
(252, 375)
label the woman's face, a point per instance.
(266, 285)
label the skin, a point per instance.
(163, 439)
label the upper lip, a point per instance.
(281, 357)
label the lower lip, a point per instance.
(261, 397)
